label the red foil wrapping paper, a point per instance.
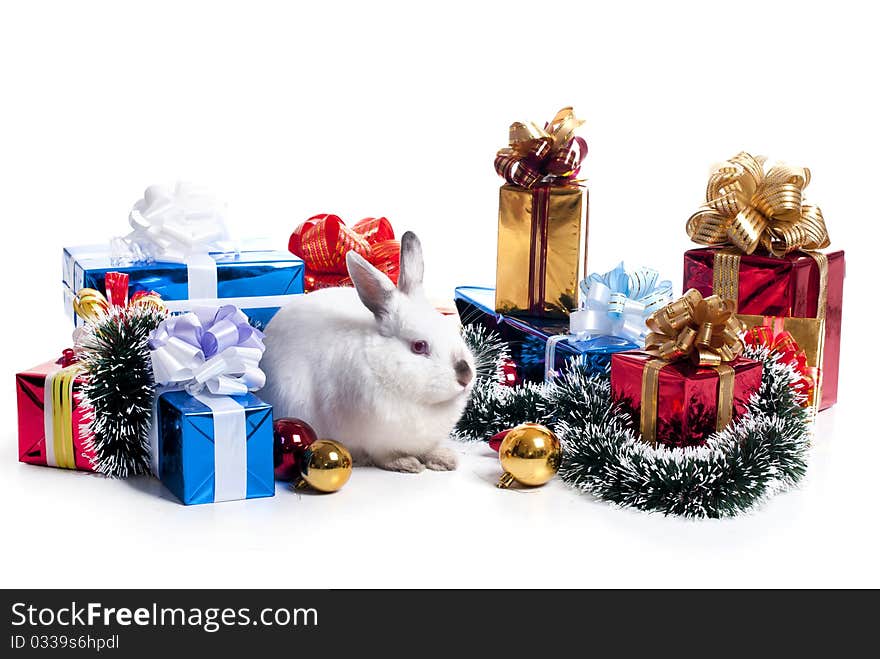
(785, 286)
(31, 394)
(687, 399)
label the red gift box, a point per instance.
(788, 287)
(64, 423)
(687, 395)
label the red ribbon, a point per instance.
(772, 335)
(323, 241)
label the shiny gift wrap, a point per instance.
(258, 281)
(528, 339)
(541, 218)
(787, 287)
(687, 395)
(541, 250)
(63, 423)
(188, 447)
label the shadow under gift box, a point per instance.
(787, 287)
(687, 395)
(541, 250)
(68, 445)
(527, 337)
(187, 444)
(255, 280)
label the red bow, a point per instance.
(323, 241)
(781, 341)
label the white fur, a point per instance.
(352, 374)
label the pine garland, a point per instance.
(120, 388)
(762, 453)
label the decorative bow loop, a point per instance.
(702, 329)
(748, 206)
(550, 155)
(173, 222)
(782, 342)
(209, 348)
(618, 303)
(91, 305)
(323, 241)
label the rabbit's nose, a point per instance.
(463, 372)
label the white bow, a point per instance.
(173, 222)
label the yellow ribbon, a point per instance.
(59, 402)
(748, 206)
(704, 329)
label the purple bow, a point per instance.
(209, 347)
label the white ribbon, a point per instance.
(48, 418)
(230, 447)
(618, 304)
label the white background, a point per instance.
(368, 109)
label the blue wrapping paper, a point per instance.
(186, 447)
(527, 338)
(263, 274)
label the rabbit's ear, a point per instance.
(412, 264)
(373, 286)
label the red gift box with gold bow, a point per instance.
(690, 381)
(323, 240)
(762, 255)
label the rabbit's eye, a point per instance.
(419, 347)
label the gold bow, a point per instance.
(747, 206)
(549, 154)
(704, 329)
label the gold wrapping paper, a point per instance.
(809, 333)
(538, 273)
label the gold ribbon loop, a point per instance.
(748, 207)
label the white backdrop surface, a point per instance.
(286, 110)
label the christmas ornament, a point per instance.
(509, 374)
(292, 438)
(761, 454)
(326, 466)
(529, 454)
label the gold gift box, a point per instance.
(809, 333)
(538, 271)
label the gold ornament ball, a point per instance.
(529, 454)
(326, 466)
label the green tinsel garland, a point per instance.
(120, 388)
(760, 454)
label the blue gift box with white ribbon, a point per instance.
(215, 448)
(257, 281)
(531, 340)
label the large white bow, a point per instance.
(173, 222)
(208, 348)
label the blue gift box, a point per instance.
(257, 281)
(188, 448)
(528, 338)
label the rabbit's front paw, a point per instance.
(407, 464)
(441, 459)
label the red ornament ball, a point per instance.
(292, 438)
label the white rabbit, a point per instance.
(388, 376)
